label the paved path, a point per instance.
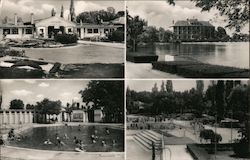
(144, 70)
(136, 152)
(107, 44)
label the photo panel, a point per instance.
(187, 119)
(187, 39)
(62, 119)
(62, 39)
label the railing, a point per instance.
(163, 154)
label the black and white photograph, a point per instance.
(187, 120)
(187, 39)
(62, 120)
(62, 39)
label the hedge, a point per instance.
(66, 38)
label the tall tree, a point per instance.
(169, 86)
(162, 87)
(16, 104)
(220, 99)
(200, 86)
(135, 27)
(155, 88)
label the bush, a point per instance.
(241, 149)
(66, 38)
(117, 36)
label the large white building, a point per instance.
(46, 28)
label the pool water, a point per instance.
(34, 138)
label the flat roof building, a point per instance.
(194, 30)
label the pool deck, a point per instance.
(18, 153)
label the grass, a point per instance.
(96, 70)
(193, 69)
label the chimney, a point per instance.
(32, 18)
(15, 19)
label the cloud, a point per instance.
(76, 99)
(65, 94)
(21, 92)
(40, 96)
(43, 84)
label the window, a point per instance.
(28, 31)
(95, 30)
(90, 31)
(14, 31)
(6, 31)
(69, 30)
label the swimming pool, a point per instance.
(34, 138)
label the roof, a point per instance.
(193, 22)
(120, 20)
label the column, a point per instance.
(16, 118)
(10, 117)
(30, 117)
(82, 33)
(25, 117)
(21, 117)
(5, 117)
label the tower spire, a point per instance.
(72, 10)
(62, 11)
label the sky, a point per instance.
(42, 8)
(178, 85)
(161, 14)
(32, 91)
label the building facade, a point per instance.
(194, 30)
(48, 27)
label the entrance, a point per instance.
(52, 30)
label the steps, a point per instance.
(146, 137)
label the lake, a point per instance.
(221, 53)
(81, 53)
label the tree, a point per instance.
(162, 87)
(220, 99)
(236, 11)
(111, 10)
(48, 107)
(108, 95)
(30, 106)
(199, 86)
(169, 86)
(16, 104)
(135, 27)
(155, 88)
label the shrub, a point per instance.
(117, 36)
(66, 38)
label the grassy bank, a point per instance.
(193, 69)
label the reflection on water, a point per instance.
(228, 54)
(78, 54)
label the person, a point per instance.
(103, 143)
(76, 140)
(114, 142)
(11, 134)
(1, 141)
(66, 136)
(48, 142)
(107, 131)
